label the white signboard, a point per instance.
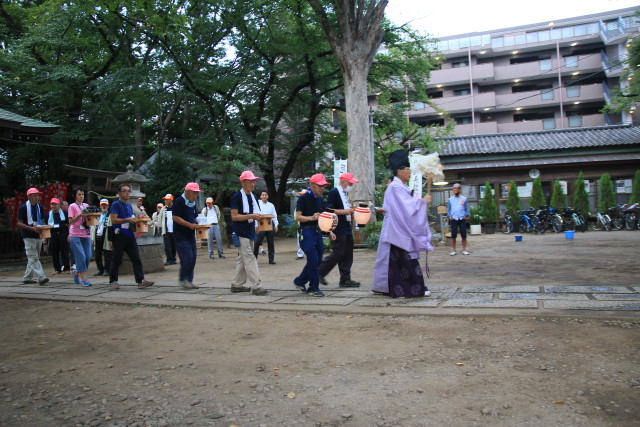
(623, 186)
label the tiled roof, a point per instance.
(541, 140)
(23, 121)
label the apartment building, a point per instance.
(527, 101)
(551, 75)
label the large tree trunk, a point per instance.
(360, 155)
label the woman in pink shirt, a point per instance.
(80, 237)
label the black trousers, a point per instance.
(100, 254)
(59, 250)
(270, 235)
(169, 247)
(122, 244)
(341, 255)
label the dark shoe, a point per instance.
(260, 292)
(324, 282)
(301, 288)
(145, 284)
(240, 289)
(221, 256)
(29, 282)
(272, 262)
(167, 263)
(43, 281)
(99, 273)
(211, 256)
(349, 284)
(316, 293)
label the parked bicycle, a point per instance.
(505, 225)
(616, 215)
(630, 216)
(529, 222)
(603, 222)
(573, 220)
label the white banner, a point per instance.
(624, 186)
(339, 167)
(415, 182)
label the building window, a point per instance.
(459, 92)
(573, 91)
(571, 61)
(459, 64)
(418, 105)
(575, 121)
(546, 94)
(545, 65)
(549, 123)
(466, 120)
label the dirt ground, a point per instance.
(102, 364)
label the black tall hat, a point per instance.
(399, 159)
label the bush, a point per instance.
(489, 208)
(474, 215)
(580, 196)
(372, 233)
(513, 200)
(635, 192)
(607, 197)
(537, 195)
(558, 198)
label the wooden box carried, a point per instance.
(202, 230)
(92, 218)
(266, 223)
(44, 231)
(141, 224)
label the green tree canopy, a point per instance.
(489, 207)
(635, 189)
(513, 200)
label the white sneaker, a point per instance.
(465, 253)
(427, 293)
(452, 253)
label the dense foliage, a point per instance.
(229, 85)
(606, 193)
(488, 206)
(558, 198)
(580, 196)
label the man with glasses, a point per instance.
(124, 239)
(458, 213)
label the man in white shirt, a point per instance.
(212, 212)
(267, 208)
(165, 218)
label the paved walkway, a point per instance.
(532, 296)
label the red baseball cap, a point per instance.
(348, 176)
(33, 190)
(54, 200)
(193, 186)
(319, 179)
(248, 176)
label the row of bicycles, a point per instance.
(538, 221)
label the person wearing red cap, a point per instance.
(59, 234)
(244, 211)
(342, 247)
(165, 218)
(99, 234)
(308, 209)
(124, 240)
(184, 233)
(30, 216)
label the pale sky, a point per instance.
(452, 17)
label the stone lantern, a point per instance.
(133, 180)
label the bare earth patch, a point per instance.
(101, 364)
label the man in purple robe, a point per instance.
(405, 233)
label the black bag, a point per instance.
(110, 233)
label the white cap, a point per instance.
(104, 202)
(209, 199)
